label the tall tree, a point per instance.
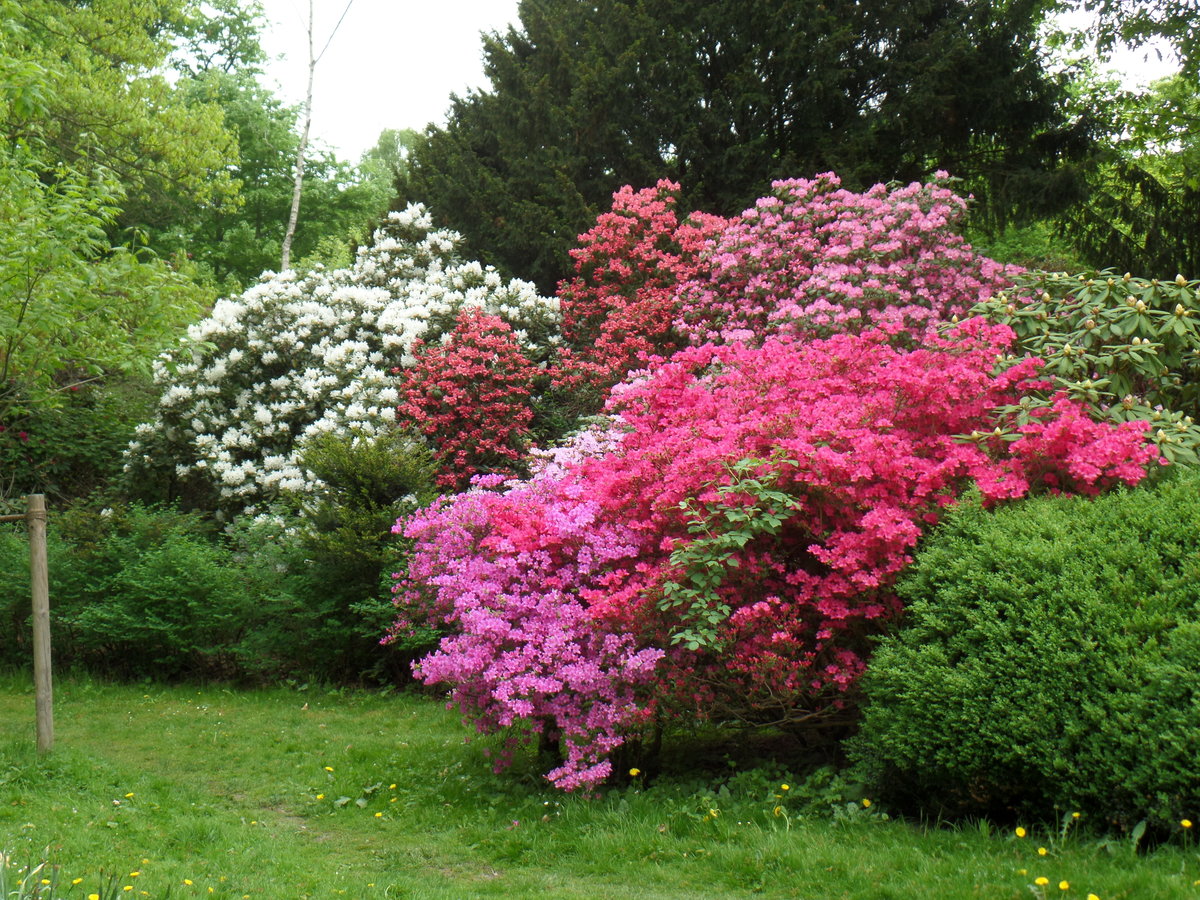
(725, 96)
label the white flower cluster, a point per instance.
(299, 355)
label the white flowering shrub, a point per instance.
(301, 355)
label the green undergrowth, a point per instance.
(289, 793)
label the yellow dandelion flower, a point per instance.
(1076, 815)
(188, 882)
(76, 880)
(391, 787)
(379, 815)
(1092, 897)
(134, 874)
(320, 796)
(1021, 832)
(128, 887)
(1064, 885)
(45, 881)
(635, 772)
(778, 810)
(785, 787)
(129, 796)
(1042, 851)
(1042, 880)
(866, 803)
(93, 897)
(329, 768)
(1186, 823)
(393, 800)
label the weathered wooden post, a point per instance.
(39, 579)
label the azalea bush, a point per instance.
(297, 356)
(729, 545)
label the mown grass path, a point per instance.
(293, 794)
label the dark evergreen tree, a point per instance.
(725, 96)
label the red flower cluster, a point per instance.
(470, 395)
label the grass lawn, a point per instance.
(210, 792)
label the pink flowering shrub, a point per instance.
(735, 543)
(470, 396)
(619, 309)
(814, 259)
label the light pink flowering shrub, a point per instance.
(642, 578)
(814, 259)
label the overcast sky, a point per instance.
(395, 63)
(392, 64)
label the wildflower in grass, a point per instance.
(1042, 851)
(1041, 880)
(866, 803)
(329, 768)
(76, 880)
(1092, 897)
(1076, 815)
(1064, 885)
(129, 796)
(93, 897)
(635, 772)
(391, 787)
(320, 796)
(785, 787)
(1021, 832)
(1186, 823)
(188, 882)
(379, 815)
(778, 810)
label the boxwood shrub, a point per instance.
(1049, 661)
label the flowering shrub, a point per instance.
(470, 396)
(816, 259)
(742, 526)
(620, 307)
(301, 355)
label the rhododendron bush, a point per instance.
(300, 355)
(726, 548)
(810, 260)
(620, 308)
(815, 259)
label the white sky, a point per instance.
(394, 63)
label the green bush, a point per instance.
(331, 556)
(1049, 660)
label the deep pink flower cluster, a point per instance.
(470, 395)
(814, 259)
(557, 584)
(619, 309)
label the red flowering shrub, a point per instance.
(470, 396)
(619, 309)
(745, 526)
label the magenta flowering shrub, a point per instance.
(732, 545)
(506, 569)
(814, 259)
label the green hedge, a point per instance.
(1049, 660)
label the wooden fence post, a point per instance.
(39, 579)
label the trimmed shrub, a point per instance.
(1050, 659)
